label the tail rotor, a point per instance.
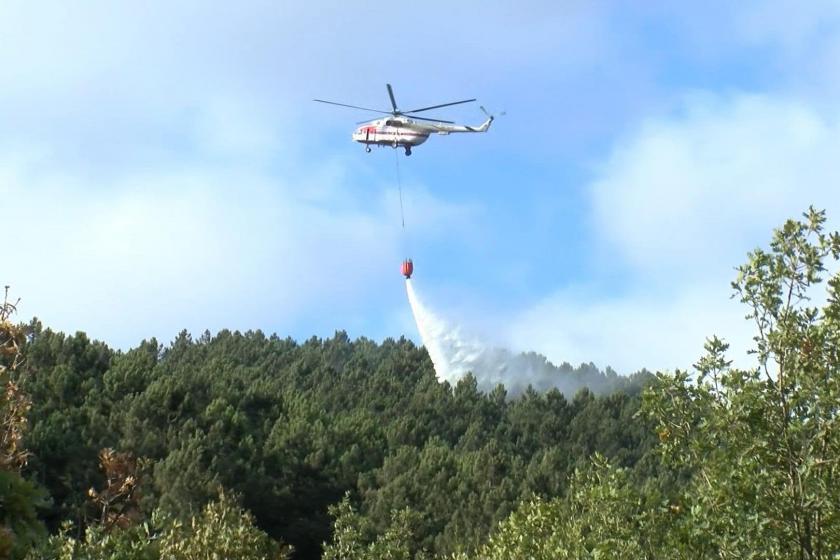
(489, 115)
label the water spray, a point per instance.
(455, 353)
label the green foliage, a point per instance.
(134, 543)
(20, 527)
(456, 495)
(61, 375)
(745, 466)
(762, 445)
(603, 515)
(222, 530)
(351, 530)
(748, 459)
(20, 499)
(292, 427)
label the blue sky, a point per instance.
(164, 167)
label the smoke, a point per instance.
(454, 354)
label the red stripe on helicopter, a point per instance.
(388, 133)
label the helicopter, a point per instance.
(405, 128)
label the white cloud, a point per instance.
(675, 208)
(163, 50)
(160, 131)
(641, 330)
(147, 253)
(689, 195)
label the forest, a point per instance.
(245, 445)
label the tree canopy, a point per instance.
(748, 459)
(253, 446)
(291, 428)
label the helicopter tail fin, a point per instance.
(486, 124)
(483, 126)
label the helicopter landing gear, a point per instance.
(408, 150)
(367, 149)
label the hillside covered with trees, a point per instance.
(347, 448)
(292, 428)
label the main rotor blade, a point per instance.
(352, 106)
(391, 95)
(438, 106)
(432, 120)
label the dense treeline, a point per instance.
(748, 459)
(291, 428)
(154, 452)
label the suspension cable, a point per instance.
(399, 187)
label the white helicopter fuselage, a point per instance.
(380, 133)
(406, 132)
